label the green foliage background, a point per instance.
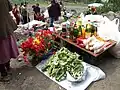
(29, 1)
(112, 5)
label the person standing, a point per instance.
(21, 8)
(36, 10)
(16, 14)
(8, 46)
(54, 11)
(25, 14)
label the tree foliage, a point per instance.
(111, 5)
(115, 5)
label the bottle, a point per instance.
(83, 31)
(79, 21)
(68, 29)
(95, 28)
(63, 28)
(71, 30)
(92, 30)
(95, 31)
(80, 30)
(88, 30)
(75, 31)
(64, 31)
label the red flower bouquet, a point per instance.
(38, 45)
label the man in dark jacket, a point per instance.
(54, 12)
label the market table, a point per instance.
(90, 53)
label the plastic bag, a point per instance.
(46, 15)
(108, 30)
(115, 51)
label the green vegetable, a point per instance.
(63, 61)
(61, 75)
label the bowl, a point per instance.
(79, 79)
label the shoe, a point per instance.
(9, 71)
(6, 78)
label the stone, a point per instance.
(110, 15)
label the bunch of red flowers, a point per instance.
(43, 34)
(38, 44)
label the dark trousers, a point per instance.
(4, 68)
(26, 19)
(35, 17)
(52, 21)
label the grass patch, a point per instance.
(43, 3)
(75, 4)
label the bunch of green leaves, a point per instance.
(62, 62)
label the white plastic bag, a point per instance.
(115, 51)
(46, 15)
(108, 30)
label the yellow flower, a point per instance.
(36, 41)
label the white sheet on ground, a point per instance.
(95, 4)
(93, 74)
(31, 23)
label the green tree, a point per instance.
(115, 4)
(111, 5)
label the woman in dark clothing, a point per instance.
(54, 12)
(36, 10)
(8, 46)
(16, 14)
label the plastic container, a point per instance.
(81, 78)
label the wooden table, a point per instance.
(83, 49)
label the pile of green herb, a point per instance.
(64, 61)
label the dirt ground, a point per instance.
(26, 77)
